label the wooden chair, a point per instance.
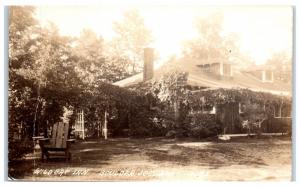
(59, 141)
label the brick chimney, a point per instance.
(148, 64)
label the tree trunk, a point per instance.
(176, 112)
(35, 129)
(133, 68)
(280, 108)
(105, 125)
(98, 130)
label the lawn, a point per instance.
(164, 159)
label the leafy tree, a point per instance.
(89, 52)
(20, 91)
(41, 72)
(50, 79)
(211, 45)
(96, 62)
(51, 71)
(132, 37)
(21, 23)
(281, 62)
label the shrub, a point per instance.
(202, 125)
(146, 123)
(17, 149)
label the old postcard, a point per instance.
(149, 92)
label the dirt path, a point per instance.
(166, 159)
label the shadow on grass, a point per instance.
(20, 168)
(87, 154)
(95, 154)
(212, 156)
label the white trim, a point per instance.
(240, 110)
(79, 124)
(264, 75)
(221, 68)
(213, 111)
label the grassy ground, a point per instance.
(164, 159)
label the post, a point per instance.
(176, 111)
(82, 115)
(280, 108)
(98, 130)
(221, 68)
(105, 125)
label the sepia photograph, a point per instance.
(150, 92)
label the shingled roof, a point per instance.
(196, 77)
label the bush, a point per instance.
(202, 126)
(17, 149)
(148, 129)
(277, 125)
(147, 123)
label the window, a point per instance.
(207, 109)
(204, 109)
(267, 76)
(222, 69)
(242, 108)
(227, 70)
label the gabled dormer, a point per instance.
(220, 69)
(267, 76)
(263, 73)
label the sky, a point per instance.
(262, 30)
